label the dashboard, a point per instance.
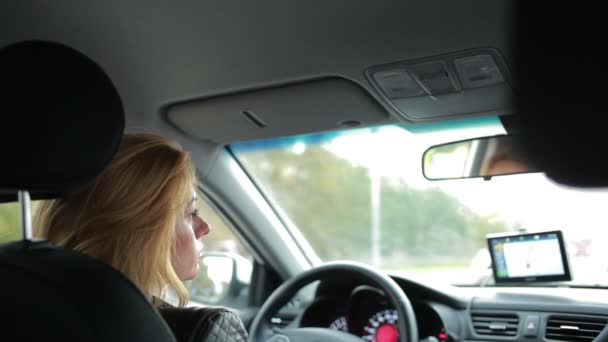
(457, 314)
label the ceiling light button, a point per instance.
(434, 77)
(398, 83)
(478, 71)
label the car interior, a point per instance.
(372, 170)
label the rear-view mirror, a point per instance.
(481, 157)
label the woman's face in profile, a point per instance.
(189, 230)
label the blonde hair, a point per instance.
(127, 215)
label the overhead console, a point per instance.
(474, 82)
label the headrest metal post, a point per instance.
(26, 214)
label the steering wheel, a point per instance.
(261, 331)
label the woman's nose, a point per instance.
(201, 227)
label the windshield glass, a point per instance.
(360, 195)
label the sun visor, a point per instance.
(456, 85)
(312, 106)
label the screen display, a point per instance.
(529, 257)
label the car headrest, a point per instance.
(559, 78)
(62, 119)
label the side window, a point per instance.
(225, 269)
(10, 222)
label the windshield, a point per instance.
(360, 195)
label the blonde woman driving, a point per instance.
(139, 216)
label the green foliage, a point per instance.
(329, 200)
(10, 222)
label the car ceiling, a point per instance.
(161, 52)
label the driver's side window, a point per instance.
(225, 269)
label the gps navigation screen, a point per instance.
(529, 257)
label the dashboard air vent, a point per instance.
(573, 328)
(495, 324)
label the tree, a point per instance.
(329, 200)
(10, 222)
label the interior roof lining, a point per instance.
(166, 52)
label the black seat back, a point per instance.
(62, 123)
(55, 294)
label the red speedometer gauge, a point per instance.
(382, 327)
